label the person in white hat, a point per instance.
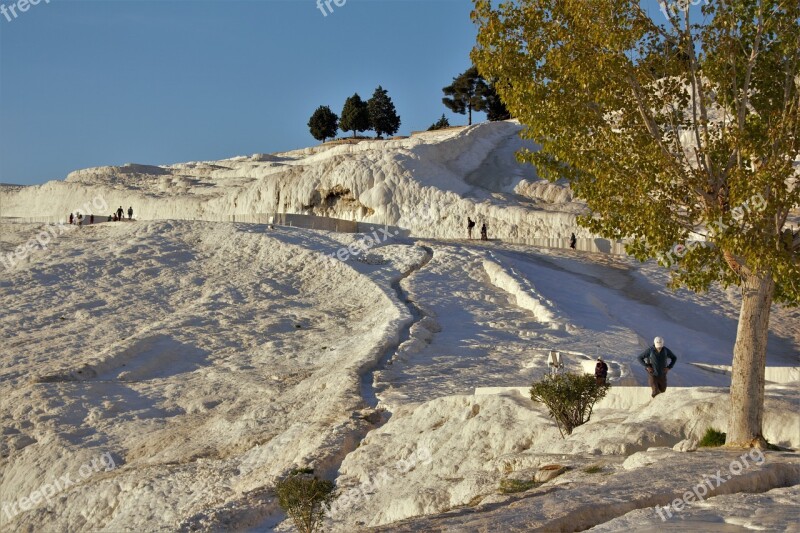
(654, 360)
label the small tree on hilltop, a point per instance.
(466, 93)
(355, 115)
(323, 123)
(305, 498)
(382, 115)
(569, 397)
(440, 124)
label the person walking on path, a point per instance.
(484, 232)
(120, 213)
(130, 213)
(600, 371)
(572, 241)
(654, 360)
(470, 225)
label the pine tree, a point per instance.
(382, 115)
(708, 148)
(440, 124)
(493, 105)
(323, 123)
(355, 115)
(466, 93)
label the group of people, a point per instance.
(117, 215)
(78, 220)
(484, 229)
(573, 241)
(654, 359)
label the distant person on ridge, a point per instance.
(484, 232)
(572, 241)
(130, 213)
(600, 371)
(120, 213)
(470, 225)
(71, 218)
(654, 360)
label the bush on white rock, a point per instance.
(472, 442)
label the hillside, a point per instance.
(171, 371)
(428, 184)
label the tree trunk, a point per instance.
(469, 107)
(749, 360)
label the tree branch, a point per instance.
(698, 99)
(751, 63)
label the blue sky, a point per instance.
(86, 83)
(90, 83)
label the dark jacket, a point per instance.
(600, 370)
(657, 360)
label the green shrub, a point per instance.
(593, 469)
(712, 438)
(441, 124)
(510, 486)
(569, 397)
(304, 498)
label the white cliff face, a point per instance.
(429, 184)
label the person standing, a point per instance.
(573, 241)
(91, 219)
(484, 232)
(130, 213)
(600, 371)
(470, 225)
(71, 219)
(654, 360)
(120, 213)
